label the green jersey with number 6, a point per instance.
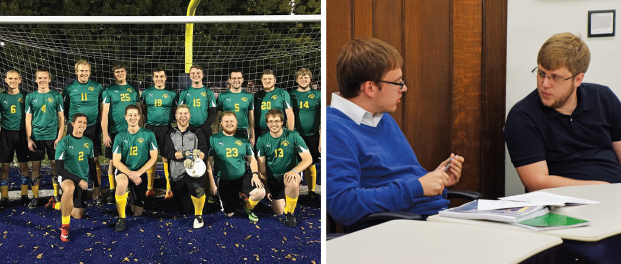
(199, 100)
(44, 108)
(229, 154)
(135, 148)
(76, 153)
(83, 98)
(307, 110)
(12, 110)
(239, 103)
(280, 153)
(118, 97)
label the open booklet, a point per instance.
(552, 221)
(509, 215)
(549, 198)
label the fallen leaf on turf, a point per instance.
(40, 256)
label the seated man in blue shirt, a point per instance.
(566, 132)
(371, 166)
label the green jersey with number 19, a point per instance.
(159, 105)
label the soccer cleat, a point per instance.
(25, 199)
(99, 200)
(198, 221)
(313, 196)
(111, 199)
(150, 193)
(120, 225)
(50, 203)
(4, 203)
(169, 195)
(33, 203)
(290, 220)
(64, 233)
(251, 215)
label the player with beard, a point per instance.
(307, 109)
(279, 166)
(269, 98)
(230, 152)
(45, 126)
(135, 151)
(13, 136)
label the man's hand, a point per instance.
(196, 153)
(256, 182)
(454, 170)
(433, 182)
(31, 145)
(56, 142)
(213, 189)
(252, 140)
(188, 163)
(83, 184)
(107, 141)
(135, 177)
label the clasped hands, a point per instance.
(435, 181)
(188, 163)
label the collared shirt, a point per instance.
(355, 112)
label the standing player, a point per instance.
(74, 160)
(240, 102)
(13, 135)
(135, 151)
(83, 96)
(184, 144)
(115, 99)
(45, 126)
(271, 98)
(307, 109)
(158, 102)
(279, 167)
(230, 151)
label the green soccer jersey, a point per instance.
(239, 103)
(276, 99)
(307, 110)
(229, 154)
(118, 97)
(134, 148)
(160, 104)
(83, 98)
(280, 153)
(12, 110)
(44, 108)
(199, 100)
(76, 153)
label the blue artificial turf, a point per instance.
(159, 236)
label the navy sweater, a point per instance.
(372, 169)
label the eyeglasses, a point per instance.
(401, 84)
(556, 79)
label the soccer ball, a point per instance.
(198, 170)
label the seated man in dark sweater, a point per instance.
(565, 132)
(370, 165)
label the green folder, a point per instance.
(552, 221)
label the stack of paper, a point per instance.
(548, 198)
(509, 215)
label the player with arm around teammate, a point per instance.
(278, 165)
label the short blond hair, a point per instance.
(303, 71)
(182, 106)
(565, 50)
(13, 71)
(81, 63)
(40, 70)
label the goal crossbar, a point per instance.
(157, 19)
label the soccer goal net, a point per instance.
(217, 47)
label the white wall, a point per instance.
(529, 24)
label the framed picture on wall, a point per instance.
(602, 23)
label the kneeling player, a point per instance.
(184, 145)
(135, 151)
(74, 161)
(230, 152)
(278, 164)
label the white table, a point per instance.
(605, 217)
(408, 241)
